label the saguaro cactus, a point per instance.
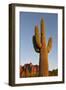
(39, 42)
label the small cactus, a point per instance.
(39, 42)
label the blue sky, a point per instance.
(28, 20)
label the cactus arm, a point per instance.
(49, 46)
(34, 45)
(37, 37)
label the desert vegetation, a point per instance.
(41, 46)
(30, 70)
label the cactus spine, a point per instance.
(39, 42)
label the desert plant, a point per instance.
(39, 42)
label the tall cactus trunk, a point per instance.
(43, 62)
